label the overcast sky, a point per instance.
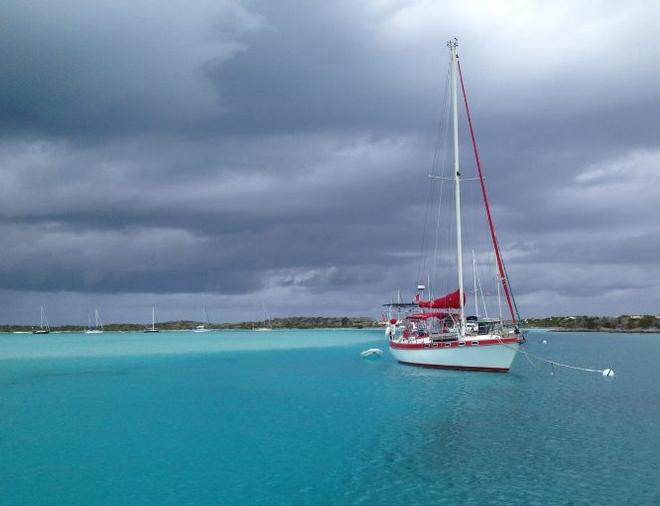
(247, 154)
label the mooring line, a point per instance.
(605, 372)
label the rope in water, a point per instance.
(554, 363)
(604, 372)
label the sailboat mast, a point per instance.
(474, 282)
(453, 44)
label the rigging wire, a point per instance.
(500, 263)
(444, 226)
(481, 291)
(424, 265)
(513, 299)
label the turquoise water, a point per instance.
(297, 417)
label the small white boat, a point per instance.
(371, 354)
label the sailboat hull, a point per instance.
(489, 355)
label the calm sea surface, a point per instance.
(296, 417)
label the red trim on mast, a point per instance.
(500, 264)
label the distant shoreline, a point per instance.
(292, 323)
(623, 324)
(608, 331)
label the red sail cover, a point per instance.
(450, 301)
(426, 316)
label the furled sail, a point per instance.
(426, 316)
(450, 301)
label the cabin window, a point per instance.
(475, 343)
(447, 345)
(461, 344)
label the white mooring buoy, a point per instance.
(608, 372)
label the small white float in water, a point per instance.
(371, 354)
(545, 341)
(608, 372)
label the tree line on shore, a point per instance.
(295, 322)
(621, 323)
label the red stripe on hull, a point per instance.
(453, 344)
(457, 367)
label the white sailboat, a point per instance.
(436, 332)
(267, 326)
(98, 324)
(204, 327)
(43, 323)
(153, 321)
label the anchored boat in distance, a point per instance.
(153, 321)
(98, 324)
(204, 327)
(43, 323)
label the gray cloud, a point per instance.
(241, 151)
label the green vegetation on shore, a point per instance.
(294, 322)
(623, 323)
(584, 323)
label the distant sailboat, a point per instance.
(267, 326)
(204, 327)
(43, 324)
(98, 324)
(153, 321)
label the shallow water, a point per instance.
(296, 417)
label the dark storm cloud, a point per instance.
(77, 70)
(315, 66)
(279, 151)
